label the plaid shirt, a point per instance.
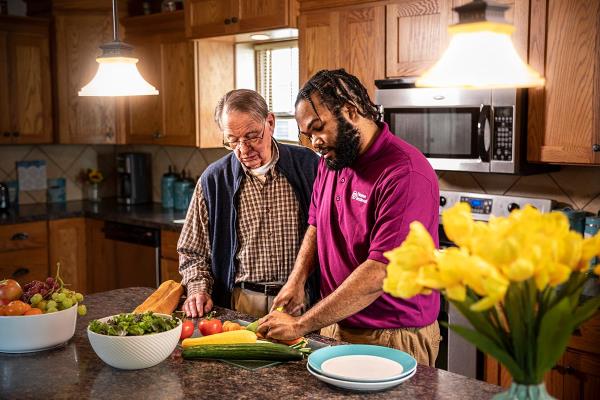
(268, 228)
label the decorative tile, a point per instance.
(87, 159)
(9, 155)
(495, 183)
(160, 165)
(593, 206)
(459, 181)
(196, 165)
(179, 156)
(52, 170)
(540, 186)
(212, 155)
(581, 184)
(62, 155)
(138, 148)
(74, 191)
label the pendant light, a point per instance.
(481, 54)
(117, 73)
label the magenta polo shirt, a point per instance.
(364, 210)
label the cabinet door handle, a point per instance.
(157, 135)
(234, 20)
(15, 133)
(6, 134)
(227, 21)
(20, 272)
(596, 147)
(20, 236)
(109, 135)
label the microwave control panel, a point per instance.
(503, 134)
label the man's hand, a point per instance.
(197, 304)
(291, 298)
(280, 326)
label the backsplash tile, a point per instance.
(578, 187)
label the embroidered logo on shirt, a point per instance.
(358, 196)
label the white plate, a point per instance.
(360, 386)
(361, 367)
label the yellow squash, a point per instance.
(231, 337)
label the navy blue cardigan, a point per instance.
(220, 186)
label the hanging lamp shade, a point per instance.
(117, 73)
(481, 54)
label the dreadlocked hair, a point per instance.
(337, 88)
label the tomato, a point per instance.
(2, 310)
(10, 290)
(187, 329)
(33, 311)
(17, 307)
(210, 326)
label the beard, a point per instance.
(347, 142)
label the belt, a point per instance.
(268, 289)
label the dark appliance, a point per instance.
(456, 354)
(134, 178)
(4, 197)
(137, 254)
(460, 129)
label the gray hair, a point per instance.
(242, 100)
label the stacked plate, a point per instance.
(361, 367)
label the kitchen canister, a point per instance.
(181, 191)
(56, 191)
(167, 188)
(592, 226)
(576, 219)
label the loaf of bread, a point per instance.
(164, 300)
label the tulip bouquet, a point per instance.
(518, 280)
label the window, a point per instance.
(277, 79)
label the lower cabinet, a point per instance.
(67, 245)
(24, 251)
(101, 264)
(169, 261)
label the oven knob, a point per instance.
(513, 206)
(442, 201)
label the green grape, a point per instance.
(42, 305)
(51, 304)
(82, 310)
(55, 296)
(51, 309)
(79, 297)
(67, 303)
(35, 299)
(60, 298)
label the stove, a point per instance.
(456, 354)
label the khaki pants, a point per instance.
(422, 343)
(251, 303)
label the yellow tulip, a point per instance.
(458, 223)
(457, 293)
(519, 270)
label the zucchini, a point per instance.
(231, 337)
(255, 351)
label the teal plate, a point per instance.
(317, 358)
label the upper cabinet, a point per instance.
(91, 120)
(209, 18)
(416, 35)
(190, 76)
(25, 97)
(351, 38)
(564, 116)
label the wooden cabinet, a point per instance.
(24, 251)
(26, 100)
(350, 38)
(191, 76)
(67, 244)
(169, 261)
(91, 120)
(564, 122)
(576, 375)
(210, 18)
(100, 258)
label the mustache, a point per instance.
(322, 150)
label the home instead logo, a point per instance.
(358, 196)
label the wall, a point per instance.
(578, 187)
(69, 161)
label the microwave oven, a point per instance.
(459, 129)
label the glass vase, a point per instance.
(93, 192)
(519, 391)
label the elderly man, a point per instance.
(248, 214)
(370, 186)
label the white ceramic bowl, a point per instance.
(134, 352)
(27, 333)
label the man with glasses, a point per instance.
(248, 214)
(370, 186)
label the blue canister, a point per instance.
(56, 191)
(576, 219)
(592, 226)
(167, 189)
(181, 189)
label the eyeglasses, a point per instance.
(250, 139)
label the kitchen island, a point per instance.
(74, 371)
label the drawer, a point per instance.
(168, 244)
(23, 236)
(24, 265)
(587, 336)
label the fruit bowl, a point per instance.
(28, 333)
(135, 352)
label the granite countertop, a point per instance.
(150, 215)
(74, 371)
